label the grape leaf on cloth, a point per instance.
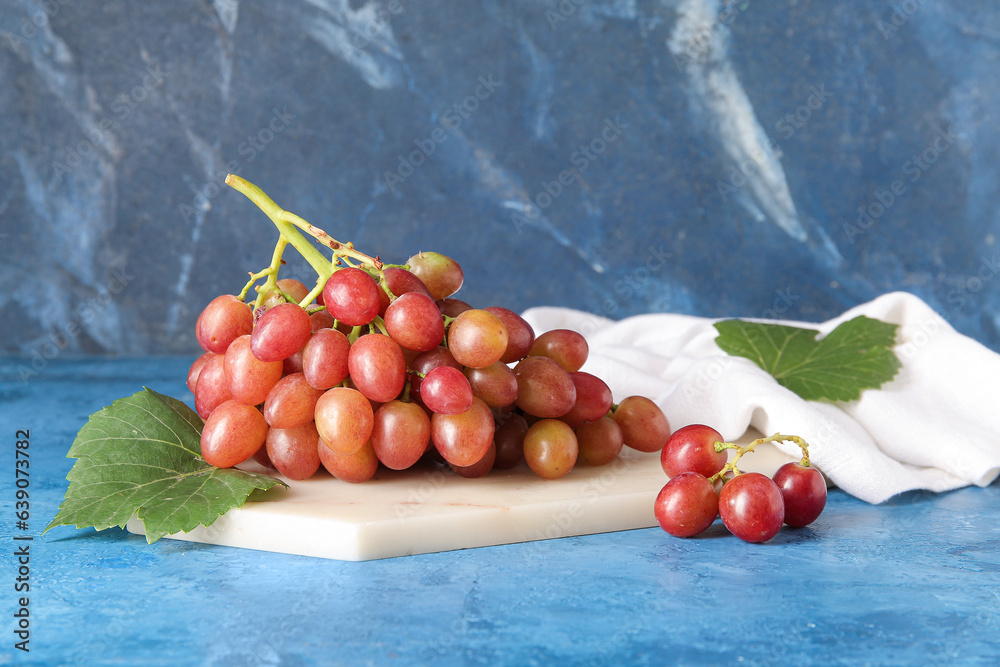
(142, 454)
(855, 356)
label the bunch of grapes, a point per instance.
(382, 365)
(704, 485)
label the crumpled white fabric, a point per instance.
(935, 426)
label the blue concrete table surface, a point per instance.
(911, 582)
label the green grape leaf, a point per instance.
(855, 356)
(142, 454)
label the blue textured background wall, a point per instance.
(787, 158)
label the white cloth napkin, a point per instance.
(935, 426)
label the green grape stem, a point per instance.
(731, 466)
(288, 225)
(271, 273)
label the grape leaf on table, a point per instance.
(855, 356)
(143, 454)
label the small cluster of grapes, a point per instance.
(384, 366)
(704, 485)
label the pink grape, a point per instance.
(452, 307)
(322, 319)
(593, 399)
(477, 339)
(232, 434)
(400, 434)
(290, 286)
(481, 467)
(324, 358)
(414, 321)
(687, 505)
(509, 441)
(401, 281)
(292, 364)
(600, 441)
(693, 448)
(249, 378)
(344, 419)
(280, 332)
(463, 439)
(357, 467)
(377, 367)
(545, 389)
(212, 389)
(751, 506)
(446, 391)
(352, 296)
(550, 448)
(441, 274)
(425, 362)
(495, 384)
(643, 424)
(803, 491)
(520, 335)
(224, 319)
(291, 402)
(195, 370)
(567, 347)
(293, 451)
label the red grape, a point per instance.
(324, 358)
(452, 307)
(212, 389)
(344, 419)
(249, 378)
(481, 467)
(463, 439)
(293, 451)
(545, 389)
(509, 441)
(195, 370)
(520, 335)
(322, 319)
(803, 490)
(377, 367)
(292, 364)
(224, 319)
(352, 296)
(687, 505)
(357, 467)
(693, 448)
(401, 281)
(600, 441)
(280, 332)
(567, 347)
(291, 402)
(293, 288)
(495, 384)
(400, 434)
(477, 339)
(441, 274)
(446, 391)
(751, 506)
(643, 424)
(414, 321)
(593, 399)
(232, 434)
(550, 448)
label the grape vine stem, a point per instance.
(288, 225)
(731, 466)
